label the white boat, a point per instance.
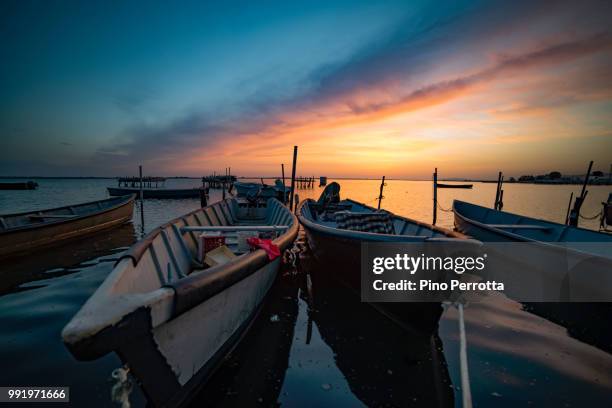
(170, 320)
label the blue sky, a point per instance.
(94, 88)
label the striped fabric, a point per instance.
(379, 222)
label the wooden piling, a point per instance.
(141, 201)
(380, 194)
(435, 196)
(295, 152)
(498, 190)
(569, 208)
(283, 175)
(575, 213)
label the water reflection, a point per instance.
(588, 322)
(328, 349)
(255, 371)
(516, 357)
(64, 259)
(384, 364)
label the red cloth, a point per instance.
(272, 250)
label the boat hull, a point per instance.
(29, 185)
(441, 185)
(171, 321)
(584, 319)
(161, 193)
(19, 241)
(340, 258)
(175, 360)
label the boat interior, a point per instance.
(35, 218)
(329, 211)
(172, 249)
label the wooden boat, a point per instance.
(340, 249)
(564, 263)
(490, 225)
(587, 283)
(161, 193)
(170, 320)
(442, 185)
(25, 185)
(26, 231)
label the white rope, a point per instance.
(120, 393)
(465, 376)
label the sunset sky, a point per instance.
(364, 88)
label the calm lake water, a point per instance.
(323, 351)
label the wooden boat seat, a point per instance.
(521, 226)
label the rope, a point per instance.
(293, 254)
(591, 218)
(466, 392)
(443, 209)
(120, 393)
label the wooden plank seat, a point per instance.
(521, 226)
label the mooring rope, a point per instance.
(120, 393)
(443, 209)
(466, 392)
(591, 218)
(293, 253)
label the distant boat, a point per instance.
(24, 232)
(25, 185)
(442, 185)
(339, 248)
(262, 191)
(170, 320)
(161, 193)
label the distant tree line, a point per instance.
(553, 175)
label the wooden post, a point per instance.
(435, 196)
(223, 187)
(141, 201)
(569, 208)
(295, 152)
(140, 176)
(575, 213)
(497, 192)
(380, 194)
(284, 190)
(203, 202)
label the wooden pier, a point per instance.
(305, 182)
(218, 181)
(147, 182)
